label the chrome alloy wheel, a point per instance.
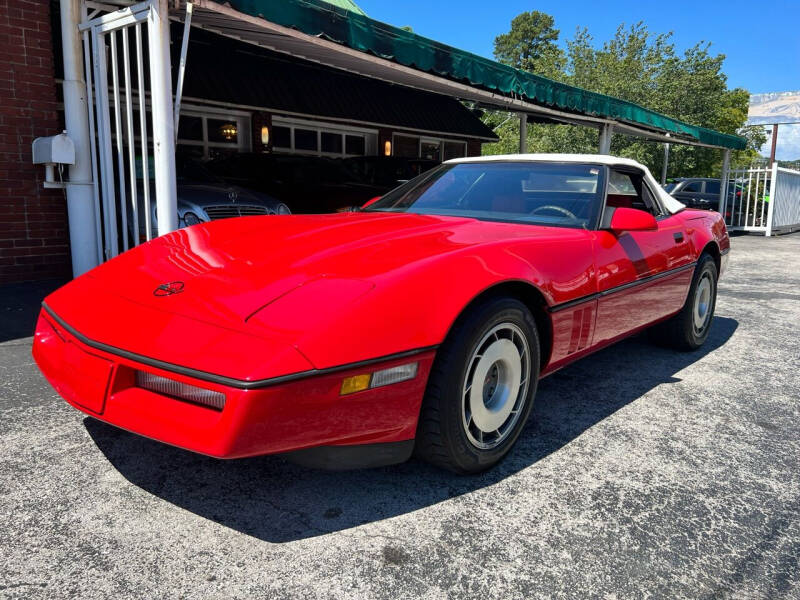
(496, 386)
(701, 312)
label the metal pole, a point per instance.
(523, 133)
(145, 144)
(773, 196)
(605, 139)
(104, 143)
(163, 123)
(80, 203)
(723, 182)
(664, 166)
(87, 62)
(123, 201)
(774, 144)
(126, 57)
(187, 25)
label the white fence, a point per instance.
(786, 199)
(763, 200)
(128, 86)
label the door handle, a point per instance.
(678, 237)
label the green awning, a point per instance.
(347, 5)
(357, 31)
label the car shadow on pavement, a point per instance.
(276, 501)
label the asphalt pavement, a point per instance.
(642, 473)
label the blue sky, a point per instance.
(760, 39)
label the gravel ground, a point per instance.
(642, 473)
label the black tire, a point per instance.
(681, 332)
(444, 435)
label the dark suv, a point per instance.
(695, 192)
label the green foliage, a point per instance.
(634, 65)
(531, 44)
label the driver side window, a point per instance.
(628, 190)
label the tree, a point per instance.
(634, 65)
(531, 44)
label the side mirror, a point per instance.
(371, 201)
(632, 219)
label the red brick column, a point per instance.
(33, 221)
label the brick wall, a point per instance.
(33, 221)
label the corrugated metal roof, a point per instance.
(225, 70)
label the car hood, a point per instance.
(231, 268)
(282, 279)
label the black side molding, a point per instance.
(619, 288)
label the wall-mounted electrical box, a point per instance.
(56, 150)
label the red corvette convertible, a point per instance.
(420, 324)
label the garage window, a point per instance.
(356, 145)
(454, 150)
(437, 149)
(331, 142)
(406, 146)
(210, 134)
(295, 136)
(431, 150)
(189, 128)
(305, 139)
(282, 137)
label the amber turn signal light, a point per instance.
(356, 383)
(359, 383)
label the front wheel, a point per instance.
(481, 389)
(689, 329)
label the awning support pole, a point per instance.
(187, 25)
(774, 145)
(605, 138)
(163, 121)
(723, 188)
(84, 242)
(664, 166)
(523, 133)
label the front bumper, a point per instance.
(284, 417)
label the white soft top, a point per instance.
(670, 203)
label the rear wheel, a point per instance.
(689, 329)
(481, 389)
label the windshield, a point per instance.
(561, 194)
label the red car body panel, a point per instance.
(291, 416)
(275, 311)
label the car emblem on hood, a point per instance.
(233, 195)
(169, 289)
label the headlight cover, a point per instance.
(181, 391)
(191, 219)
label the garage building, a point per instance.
(302, 77)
